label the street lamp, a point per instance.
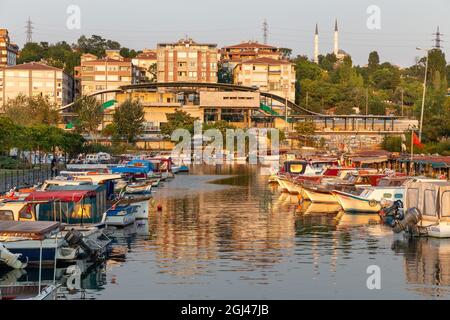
(424, 91)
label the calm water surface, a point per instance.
(224, 233)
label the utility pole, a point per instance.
(367, 101)
(402, 100)
(265, 31)
(29, 30)
(424, 91)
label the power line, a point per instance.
(29, 30)
(265, 31)
(438, 40)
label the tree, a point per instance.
(224, 74)
(392, 144)
(178, 120)
(29, 111)
(129, 120)
(386, 78)
(153, 71)
(305, 130)
(90, 115)
(306, 69)
(286, 53)
(374, 61)
(96, 45)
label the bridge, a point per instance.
(324, 123)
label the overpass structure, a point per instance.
(345, 124)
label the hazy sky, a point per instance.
(140, 24)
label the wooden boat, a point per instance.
(427, 209)
(369, 199)
(121, 215)
(138, 188)
(34, 240)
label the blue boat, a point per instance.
(121, 215)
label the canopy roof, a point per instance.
(38, 230)
(63, 195)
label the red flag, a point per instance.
(416, 140)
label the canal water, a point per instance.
(224, 233)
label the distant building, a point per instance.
(144, 62)
(107, 73)
(34, 79)
(187, 60)
(269, 75)
(8, 50)
(250, 50)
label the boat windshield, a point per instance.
(366, 193)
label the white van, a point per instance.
(91, 158)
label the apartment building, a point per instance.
(146, 63)
(187, 60)
(98, 74)
(248, 51)
(8, 50)
(269, 75)
(36, 79)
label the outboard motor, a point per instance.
(409, 222)
(75, 239)
(391, 213)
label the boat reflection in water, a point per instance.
(307, 207)
(426, 264)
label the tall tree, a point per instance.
(374, 61)
(90, 115)
(27, 111)
(129, 120)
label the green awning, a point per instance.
(109, 104)
(69, 125)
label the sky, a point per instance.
(138, 24)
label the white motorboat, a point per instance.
(121, 215)
(368, 200)
(139, 188)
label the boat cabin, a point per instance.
(17, 211)
(71, 206)
(431, 198)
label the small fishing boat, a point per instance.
(138, 188)
(38, 242)
(427, 210)
(368, 200)
(183, 169)
(141, 202)
(121, 215)
(83, 212)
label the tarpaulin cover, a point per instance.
(64, 196)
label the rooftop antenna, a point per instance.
(438, 39)
(265, 31)
(29, 30)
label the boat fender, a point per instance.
(373, 203)
(410, 221)
(15, 261)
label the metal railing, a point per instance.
(23, 178)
